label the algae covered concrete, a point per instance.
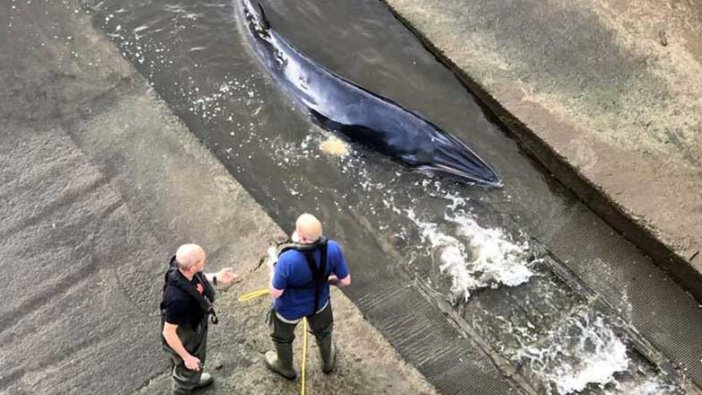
(610, 89)
(99, 184)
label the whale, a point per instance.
(359, 115)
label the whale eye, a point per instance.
(304, 80)
(280, 58)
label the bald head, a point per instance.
(308, 228)
(190, 255)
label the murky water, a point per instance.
(472, 245)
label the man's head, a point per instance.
(190, 258)
(308, 228)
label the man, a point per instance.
(300, 285)
(186, 308)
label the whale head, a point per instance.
(452, 159)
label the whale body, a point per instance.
(361, 116)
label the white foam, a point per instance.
(572, 361)
(652, 386)
(476, 257)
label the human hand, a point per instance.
(333, 279)
(192, 363)
(272, 257)
(226, 276)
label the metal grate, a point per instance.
(644, 296)
(426, 339)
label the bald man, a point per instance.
(186, 307)
(300, 282)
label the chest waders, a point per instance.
(191, 337)
(281, 360)
(194, 339)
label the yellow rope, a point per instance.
(304, 355)
(253, 295)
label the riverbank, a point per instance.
(606, 95)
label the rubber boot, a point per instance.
(327, 351)
(281, 361)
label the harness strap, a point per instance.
(204, 303)
(318, 273)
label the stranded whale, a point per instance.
(360, 115)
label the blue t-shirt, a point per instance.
(293, 275)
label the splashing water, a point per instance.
(583, 351)
(652, 386)
(482, 258)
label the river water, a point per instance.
(475, 247)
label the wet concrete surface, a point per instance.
(606, 94)
(99, 184)
(197, 60)
(607, 287)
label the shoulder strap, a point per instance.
(302, 247)
(205, 302)
(318, 273)
(201, 300)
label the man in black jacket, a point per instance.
(186, 308)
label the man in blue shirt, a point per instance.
(300, 285)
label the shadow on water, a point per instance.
(476, 247)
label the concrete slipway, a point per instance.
(83, 131)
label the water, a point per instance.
(585, 355)
(475, 257)
(474, 246)
(583, 351)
